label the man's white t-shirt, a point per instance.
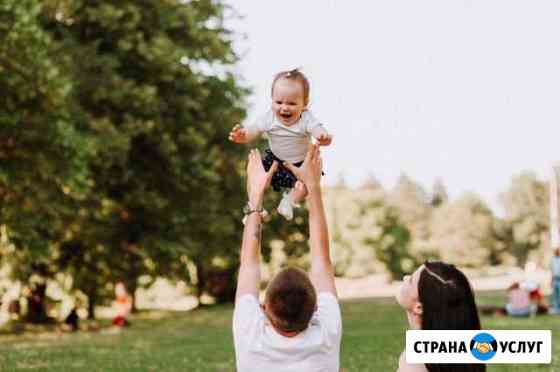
(289, 143)
(259, 348)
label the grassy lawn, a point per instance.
(201, 341)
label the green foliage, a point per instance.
(524, 228)
(414, 207)
(350, 256)
(389, 237)
(285, 243)
(463, 232)
(167, 171)
(120, 112)
(44, 146)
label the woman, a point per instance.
(519, 301)
(123, 303)
(437, 296)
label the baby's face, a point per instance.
(287, 101)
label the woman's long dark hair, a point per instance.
(447, 303)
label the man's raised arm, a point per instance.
(257, 182)
(322, 271)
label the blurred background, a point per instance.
(115, 164)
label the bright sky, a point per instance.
(464, 90)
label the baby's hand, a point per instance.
(324, 139)
(238, 134)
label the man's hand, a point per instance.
(257, 178)
(324, 139)
(238, 134)
(310, 171)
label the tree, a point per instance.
(343, 207)
(388, 236)
(44, 143)
(341, 248)
(439, 194)
(35, 115)
(285, 243)
(411, 200)
(133, 139)
(463, 232)
(171, 177)
(371, 182)
(414, 210)
(525, 224)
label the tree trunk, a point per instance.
(131, 287)
(91, 294)
(91, 308)
(200, 279)
(221, 284)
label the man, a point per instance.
(555, 268)
(299, 327)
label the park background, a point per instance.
(115, 165)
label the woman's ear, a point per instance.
(417, 308)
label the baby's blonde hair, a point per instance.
(295, 75)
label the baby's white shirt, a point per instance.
(259, 348)
(288, 143)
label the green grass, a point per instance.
(201, 341)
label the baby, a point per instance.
(289, 126)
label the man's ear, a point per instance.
(417, 308)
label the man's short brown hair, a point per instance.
(291, 300)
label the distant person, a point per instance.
(289, 126)
(72, 320)
(437, 296)
(123, 303)
(522, 301)
(299, 327)
(37, 308)
(555, 268)
(14, 309)
(530, 283)
(538, 301)
(519, 301)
